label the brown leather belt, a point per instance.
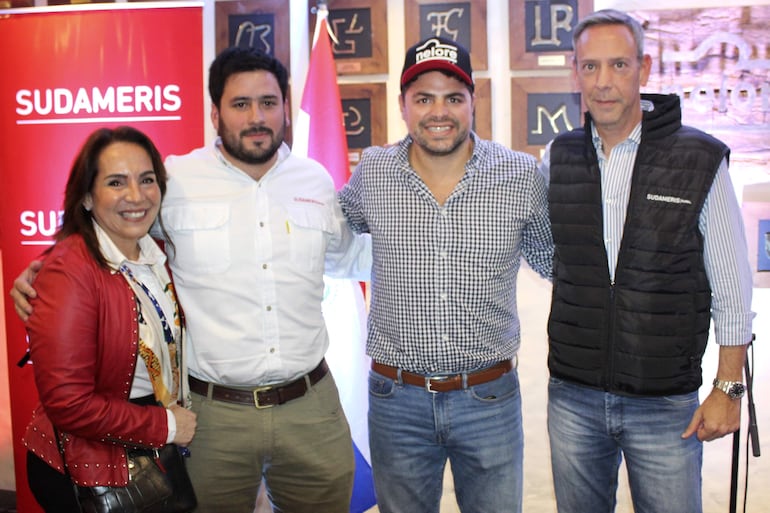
(261, 397)
(448, 382)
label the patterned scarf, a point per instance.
(160, 339)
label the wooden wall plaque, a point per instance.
(361, 29)
(364, 112)
(541, 32)
(463, 22)
(262, 24)
(541, 109)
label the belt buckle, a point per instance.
(256, 398)
(429, 382)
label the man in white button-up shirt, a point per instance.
(252, 230)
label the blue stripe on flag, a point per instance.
(363, 486)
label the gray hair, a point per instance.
(612, 17)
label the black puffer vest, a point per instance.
(644, 334)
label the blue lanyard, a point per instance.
(167, 333)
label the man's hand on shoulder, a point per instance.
(23, 291)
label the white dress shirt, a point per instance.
(248, 263)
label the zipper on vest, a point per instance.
(609, 376)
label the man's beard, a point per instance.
(234, 145)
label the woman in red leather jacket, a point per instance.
(104, 314)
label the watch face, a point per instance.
(736, 390)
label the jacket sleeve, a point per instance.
(83, 377)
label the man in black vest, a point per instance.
(649, 248)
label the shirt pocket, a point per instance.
(311, 227)
(201, 237)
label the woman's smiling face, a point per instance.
(125, 198)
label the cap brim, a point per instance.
(435, 65)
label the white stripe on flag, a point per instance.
(345, 314)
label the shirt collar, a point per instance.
(636, 134)
(283, 153)
(149, 252)
(478, 154)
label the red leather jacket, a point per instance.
(83, 338)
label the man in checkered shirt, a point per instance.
(450, 216)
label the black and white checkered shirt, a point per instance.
(444, 276)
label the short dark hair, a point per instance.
(85, 168)
(238, 60)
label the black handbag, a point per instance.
(158, 483)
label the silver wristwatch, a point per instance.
(733, 389)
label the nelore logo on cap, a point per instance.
(433, 49)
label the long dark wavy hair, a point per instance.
(76, 219)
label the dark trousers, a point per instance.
(52, 490)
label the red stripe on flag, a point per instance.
(327, 143)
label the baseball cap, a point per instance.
(437, 53)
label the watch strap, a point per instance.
(734, 389)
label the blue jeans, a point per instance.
(412, 433)
(591, 431)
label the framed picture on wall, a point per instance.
(361, 29)
(463, 22)
(541, 109)
(541, 32)
(262, 24)
(364, 112)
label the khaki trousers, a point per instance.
(302, 449)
